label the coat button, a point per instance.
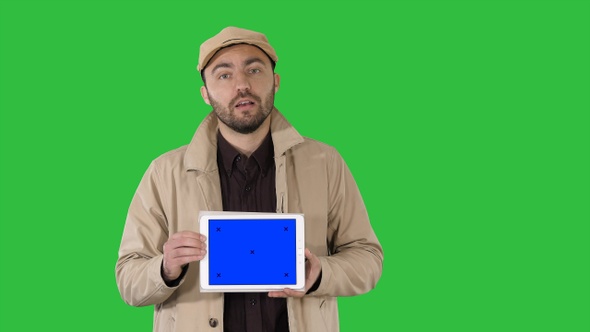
(213, 322)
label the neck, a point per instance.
(246, 144)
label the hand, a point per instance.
(313, 267)
(181, 249)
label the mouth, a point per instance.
(244, 105)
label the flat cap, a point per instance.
(232, 36)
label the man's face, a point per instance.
(240, 87)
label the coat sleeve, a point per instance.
(140, 254)
(356, 258)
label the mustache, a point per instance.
(245, 95)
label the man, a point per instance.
(245, 156)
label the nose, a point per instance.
(242, 82)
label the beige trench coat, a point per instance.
(311, 178)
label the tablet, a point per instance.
(252, 252)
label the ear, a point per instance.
(205, 95)
(277, 82)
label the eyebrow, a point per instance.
(252, 60)
(248, 62)
(221, 65)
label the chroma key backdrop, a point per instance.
(465, 124)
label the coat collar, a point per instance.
(201, 153)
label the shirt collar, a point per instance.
(201, 153)
(264, 155)
(226, 152)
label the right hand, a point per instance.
(180, 249)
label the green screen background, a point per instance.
(465, 123)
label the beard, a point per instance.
(252, 119)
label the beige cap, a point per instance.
(231, 36)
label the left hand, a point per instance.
(313, 268)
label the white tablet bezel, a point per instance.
(204, 218)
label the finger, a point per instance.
(189, 243)
(293, 293)
(184, 251)
(181, 256)
(309, 255)
(188, 234)
(277, 294)
(173, 244)
(180, 261)
(287, 292)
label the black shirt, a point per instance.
(248, 185)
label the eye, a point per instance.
(223, 76)
(254, 71)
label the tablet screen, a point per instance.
(251, 252)
(239, 256)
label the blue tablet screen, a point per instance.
(252, 252)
